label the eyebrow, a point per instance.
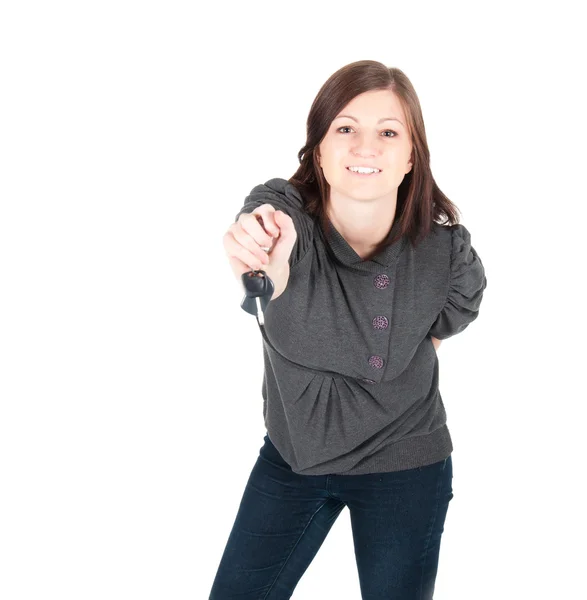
(380, 120)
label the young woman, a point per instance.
(367, 282)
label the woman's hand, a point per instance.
(245, 240)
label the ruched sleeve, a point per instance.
(284, 196)
(467, 283)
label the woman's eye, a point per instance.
(390, 130)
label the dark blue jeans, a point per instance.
(397, 521)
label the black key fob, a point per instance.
(258, 291)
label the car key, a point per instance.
(258, 288)
(258, 291)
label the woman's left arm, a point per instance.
(435, 342)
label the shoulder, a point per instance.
(282, 194)
(450, 231)
(449, 244)
(456, 236)
(436, 245)
(278, 185)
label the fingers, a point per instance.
(249, 240)
(251, 230)
(240, 245)
(267, 214)
(246, 238)
(259, 226)
(238, 266)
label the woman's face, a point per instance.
(367, 139)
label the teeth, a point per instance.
(363, 170)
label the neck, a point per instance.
(363, 224)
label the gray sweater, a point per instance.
(350, 381)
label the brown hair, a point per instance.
(419, 200)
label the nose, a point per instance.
(364, 146)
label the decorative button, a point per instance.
(376, 362)
(381, 281)
(380, 322)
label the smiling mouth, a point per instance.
(363, 174)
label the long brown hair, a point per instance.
(419, 200)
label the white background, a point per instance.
(131, 409)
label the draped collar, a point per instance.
(346, 255)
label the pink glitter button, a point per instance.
(380, 323)
(376, 362)
(381, 281)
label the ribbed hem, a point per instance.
(413, 452)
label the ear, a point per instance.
(409, 166)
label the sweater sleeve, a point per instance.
(284, 196)
(466, 286)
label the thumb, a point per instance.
(285, 242)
